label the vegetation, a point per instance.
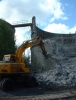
(7, 41)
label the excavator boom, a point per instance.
(30, 43)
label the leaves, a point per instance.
(7, 41)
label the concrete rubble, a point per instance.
(64, 73)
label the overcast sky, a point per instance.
(56, 16)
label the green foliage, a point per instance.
(7, 41)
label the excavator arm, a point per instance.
(30, 43)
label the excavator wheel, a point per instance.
(32, 81)
(7, 84)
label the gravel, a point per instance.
(24, 91)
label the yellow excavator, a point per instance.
(13, 70)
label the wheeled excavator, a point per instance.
(13, 70)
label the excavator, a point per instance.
(13, 70)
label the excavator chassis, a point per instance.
(9, 82)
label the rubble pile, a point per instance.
(64, 73)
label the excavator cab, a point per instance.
(9, 58)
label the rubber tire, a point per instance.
(31, 82)
(8, 84)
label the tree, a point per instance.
(7, 39)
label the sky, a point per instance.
(57, 16)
